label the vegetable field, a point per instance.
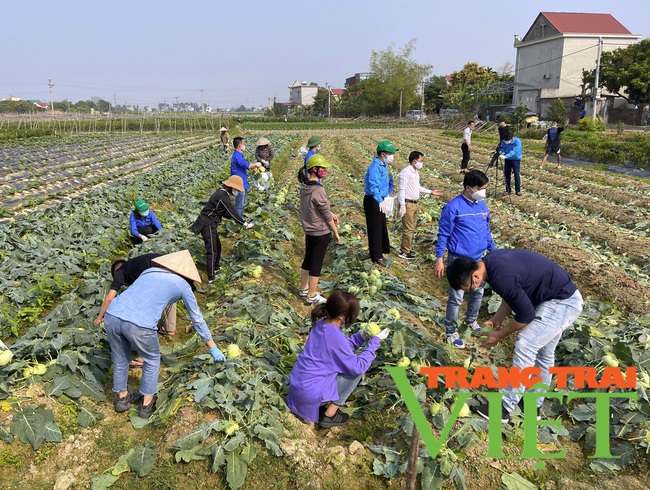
(65, 206)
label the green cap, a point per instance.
(317, 161)
(313, 141)
(141, 205)
(386, 146)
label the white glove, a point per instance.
(144, 238)
(382, 206)
(502, 158)
(383, 335)
(402, 210)
(259, 164)
(248, 225)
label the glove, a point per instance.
(258, 164)
(144, 238)
(383, 335)
(402, 210)
(248, 225)
(502, 158)
(382, 206)
(217, 355)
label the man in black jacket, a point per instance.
(219, 206)
(552, 143)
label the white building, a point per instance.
(555, 51)
(302, 93)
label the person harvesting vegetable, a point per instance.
(239, 166)
(327, 370)
(143, 222)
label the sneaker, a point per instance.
(454, 339)
(124, 403)
(303, 293)
(474, 326)
(520, 404)
(316, 298)
(339, 418)
(211, 280)
(147, 410)
(482, 411)
(381, 262)
(217, 270)
(517, 193)
(406, 255)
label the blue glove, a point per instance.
(217, 354)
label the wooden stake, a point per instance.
(411, 469)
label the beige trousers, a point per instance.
(409, 220)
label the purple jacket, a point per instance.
(327, 353)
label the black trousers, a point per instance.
(212, 248)
(144, 230)
(466, 155)
(378, 243)
(315, 248)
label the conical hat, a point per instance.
(223, 128)
(181, 263)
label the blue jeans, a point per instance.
(536, 342)
(345, 384)
(240, 203)
(512, 166)
(456, 299)
(121, 336)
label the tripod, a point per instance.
(494, 162)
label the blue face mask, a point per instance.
(144, 214)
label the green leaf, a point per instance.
(29, 427)
(143, 459)
(88, 388)
(57, 386)
(203, 385)
(235, 470)
(187, 455)
(248, 453)
(398, 343)
(235, 442)
(458, 478)
(52, 432)
(103, 481)
(88, 417)
(626, 453)
(585, 412)
(514, 481)
(218, 458)
(610, 466)
(122, 465)
(5, 436)
(432, 479)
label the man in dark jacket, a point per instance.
(219, 206)
(552, 143)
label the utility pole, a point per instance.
(400, 103)
(202, 105)
(422, 100)
(596, 90)
(329, 100)
(49, 80)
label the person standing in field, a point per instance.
(464, 231)
(408, 196)
(313, 145)
(143, 222)
(239, 166)
(544, 300)
(317, 220)
(131, 320)
(328, 369)
(503, 130)
(552, 144)
(263, 152)
(466, 146)
(219, 206)
(379, 185)
(224, 137)
(511, 151)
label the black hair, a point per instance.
(475, 178)
(237, 141)
(508, 136)
(339, 303)
(116, 265)
(415, 155)
(459, 272)
(470, 122)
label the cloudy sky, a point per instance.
(145, 52)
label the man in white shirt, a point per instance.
(466, 147)
(408, 196)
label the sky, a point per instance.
(146, 52)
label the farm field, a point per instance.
(65, 206)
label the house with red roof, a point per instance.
(554, 52)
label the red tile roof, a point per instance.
(337, 91)
(577, 23)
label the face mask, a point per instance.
(479, 195)
(419, 165)
(243, 149)
(317, 148)
(321, 173)
(389, 159)
(144, 214)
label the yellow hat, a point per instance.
(181, 263)
(262, 141)
(235, 181)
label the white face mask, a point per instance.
(317, 148)
(479, 195)
(243, 148)
(419, 165)
(389, 159)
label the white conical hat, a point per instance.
(181, 263)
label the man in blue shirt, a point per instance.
(314, 147)
(511, 152)
(545, 302)
(378, 186)
(552, 143)
(464, 230)
(239, 166)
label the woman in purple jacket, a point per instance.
(327, 370)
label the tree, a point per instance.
(557, 112)
(472, 75)
(519, 116)
(394, 75)
(435, 89)
(626, 73)
(320, 101)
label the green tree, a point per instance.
(519, 116)
(557, 112)
(394, 75)
(472, 75)
(320, 101)
(435, 89)
(626, 73)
